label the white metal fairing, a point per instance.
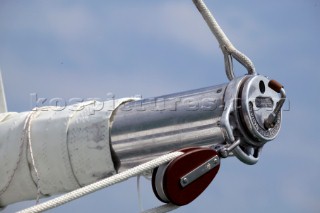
(70, 148)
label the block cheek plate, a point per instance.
(181, 166)
(155, 175)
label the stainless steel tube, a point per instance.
(218, 115)
(144, 129)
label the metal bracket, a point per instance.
(230, 97)
(225, 151)
(199, 171)
(271, 120)
(233, 144)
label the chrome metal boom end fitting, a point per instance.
(229, 118)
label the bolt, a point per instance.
(224, 153)
(208, 166)
(215, 160)
(185, 180)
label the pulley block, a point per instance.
(182, 180)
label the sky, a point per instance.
(89, 49)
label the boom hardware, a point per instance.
(179, 140)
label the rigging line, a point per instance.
(102, 184)
(162, 209)
(3, 102)
(226, 46)
(31, 154)
(139, 193)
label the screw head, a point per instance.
(185, 180)
(215, 160)
(208, 166)
(224, 153)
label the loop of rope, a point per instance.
(226, 46)
(101, 184)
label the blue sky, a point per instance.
(87, 49)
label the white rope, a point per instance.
(3, 102)
(225, 44)
(139, 193)
(162, 209)
(32, 156)
(102, 184)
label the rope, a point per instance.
(32, 156)
(162, 209)
(168, 207)
(102, 184)
(226, 46)
(139, 193)
(228, 50)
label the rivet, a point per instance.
(185, 180)
(208, 166)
